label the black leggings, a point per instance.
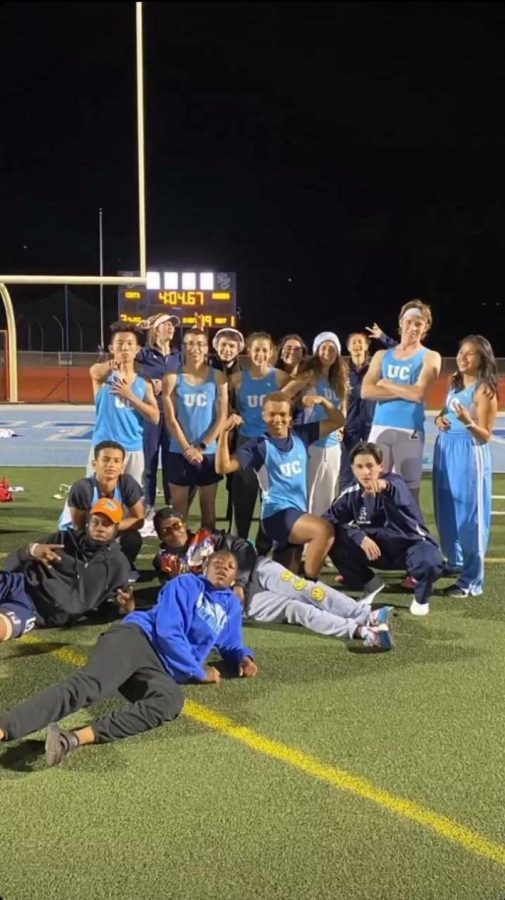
(123, 660)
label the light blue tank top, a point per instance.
(116, 419)
(65, 520)
(250, 398)
(466, 398)
(196, 410)
(401, 413)
(319, 414)
(283, 478)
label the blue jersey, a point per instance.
(318, 413)
(396, 413)
(116, 419)
(281, 468)
(250, 397)
(466, 398)
(195, 410)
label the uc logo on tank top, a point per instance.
(195, 400)
(401, 372)
(254, 400)
(291, 468)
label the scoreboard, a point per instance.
(206, 299)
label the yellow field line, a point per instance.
(441, 825)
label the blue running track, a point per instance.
(60, 435)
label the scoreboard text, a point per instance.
(206, 299)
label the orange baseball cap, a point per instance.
(110, 508)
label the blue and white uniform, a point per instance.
(398, 425)
(462, 493)
(155, 364)
(281, 469)
(196, 410)
(324, 454)
(250, 397)
(117, 420)
(249, 403)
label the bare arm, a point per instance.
(148, 408)
(336, 418)
(169, 385)
(224, 463)
(487, 408)
(221, 408)
(99, 373)
(296, 385)
(370, 389)
(416, 392)
(135, 518)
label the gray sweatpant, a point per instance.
(276, 595)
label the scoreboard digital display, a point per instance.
(206, 299)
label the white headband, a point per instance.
(413, 312)
(236, 336)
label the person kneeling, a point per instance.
(378, 523)
(145, 658)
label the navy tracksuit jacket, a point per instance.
(393, 520)
(153, 363)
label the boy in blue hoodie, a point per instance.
(145, 658)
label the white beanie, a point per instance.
(326, 336)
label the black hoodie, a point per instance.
(88, 573)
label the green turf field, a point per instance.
(336, 774)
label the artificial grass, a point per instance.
(186, 812)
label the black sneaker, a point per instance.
(451, 571)
(59, 744)
(455, 591)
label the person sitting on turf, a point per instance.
(108, 481)
(270, 592)
(280, 461)
(59, 579)
(182, 550)
(378, 523)
(145, 658)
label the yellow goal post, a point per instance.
(141, 279)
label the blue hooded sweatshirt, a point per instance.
(191, 618)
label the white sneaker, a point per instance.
(148, 529)
(370, 595)
(419, 609)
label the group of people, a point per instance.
(335, 449)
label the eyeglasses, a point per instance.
(199, 344)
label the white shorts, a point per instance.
(323, 474)
(402, 451)
(134, 464)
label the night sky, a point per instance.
(341, 158)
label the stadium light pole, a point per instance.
(100, 243)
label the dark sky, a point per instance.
(341, 158)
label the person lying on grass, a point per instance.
(378, 525)
(67, 575)
(145, 658)
(269, 591)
